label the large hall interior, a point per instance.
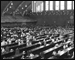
(37, 29)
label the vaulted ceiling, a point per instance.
(16, 7)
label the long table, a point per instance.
(41, 48)
(48, 53)
(62, 54)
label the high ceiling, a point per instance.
(16, 7)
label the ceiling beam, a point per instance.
(18, 7)
(26, 9)
(6, 8)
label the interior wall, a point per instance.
(53, 20)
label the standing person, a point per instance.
(44, 42)
(28, 39)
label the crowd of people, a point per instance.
(19, 36)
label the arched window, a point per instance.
(73, 5)
(41, 6)
(34, 6)
(56, 5)
(62, 3)
(69, 3)
(38, 8)
(46, 5)
(51, 5)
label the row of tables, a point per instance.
(37, 48)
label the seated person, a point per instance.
(9, 41)
(31, 56)
(2, 50)
(3, 43)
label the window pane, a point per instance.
(51, 5)
(57, 5)
(46, 5)
(69, 7)
(62, 3)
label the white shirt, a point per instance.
(3, 43)
(3, 50)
